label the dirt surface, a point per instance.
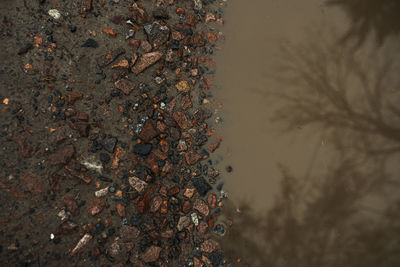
(105, 133)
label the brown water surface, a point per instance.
(312, 130)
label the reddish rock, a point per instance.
(121, 210)
(32, 183)
(201, 206)
(186, 102)
(119, 153)
(186, 207)
(96, 206)
(209, 246)
(212, 200)
(129, 232)
(24, 148)
(192, 157)
(146, 46)
(151, 254)
(139, 13)
(71, 204)
(202, 228)
(189, 192)
(135, 43)
(125, 86)
(146, 61)
(212, 37)
(215, 145)
(161, 126)
(155, 204)
(177, 36)
(73, 96)
(62, 155)
(148, 132)
(173, 191)
(181, 119)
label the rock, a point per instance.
(186, 207)
(139, 13)
(54, 13)
(212, 37)
(177, 36)
(119, 154)
(142, 149)
(157, 33)
(129, 232)
(215, 145)
(192, 157)
(62, 155)
(96, 206)
(101, 193)
(186, 102)
(135, 43)
(183, 222)
(209, 17)
(148, 132)
(110, 31)
(183, 86)
(71, 204)
(32, 183)
(109, 144)
(202, 227)
(188, 192)
(73, 96)
(137, 184)
(83, 242)
(146, 61)
(201, 206)
(146, 46)
(181, 119)
(114, 250)
(151, 254)
(125, 86)
(182, 146)
(90, 43)
(155, 204)
(198, 4)
(201, 185)
(209, 246)
(109, 58)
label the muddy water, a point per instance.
(312, 131)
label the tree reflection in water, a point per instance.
(326, 220)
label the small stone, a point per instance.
(181, 119)
(148, 132)
(202, 228)
(129, 232)
(121, 210)
(192, 157)
(146, 46)
(182, 146)
(146, 61)
(155, 204)
(110, 31)
(137, 184)
(212, 37)
(96, 206)
(71, 204)
(54, 13)
(215, 145)
(142, 149)
(189, 192)
(151, 254)
(183, 222)
(201, 185)
(122, 64)
(201, 206)
(186, 102)
(209, 246)
(101, 193)
(125, 86)
(109, 144)
(210, 17)
(83, 242)
(90, 43)
(195, 220)
(73, 96)
(186, 207)
(135, 43)
(183, 86)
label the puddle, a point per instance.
(311, 128)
